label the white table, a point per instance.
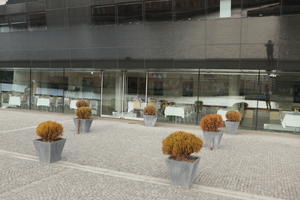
(14, 101)
(73, 104)
(174, 111)
(223, 112)
(43, 102)
(291, 120)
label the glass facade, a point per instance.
(188, 57)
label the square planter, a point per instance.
(49, 151)
(182, 172)
(212, 139)
(150, 120)
(232, 127)
(85, 124)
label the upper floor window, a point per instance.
(158, 10)
(130, 13)
(104, 14)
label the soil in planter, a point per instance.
(187, 159)
(48, 141)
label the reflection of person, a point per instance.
(267, 97)
(270, 51)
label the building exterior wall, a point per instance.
(118, 52)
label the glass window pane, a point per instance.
(112, 93)
(135, 91)
(47, 86)
(15, 88)
(130, 13)
(261, 8)
(175, 96)
(82, 84)
(160, 10)
(223, 8)
(290, 7)
(280, 101)
(224, 90)
(102, 15)
(190, 9)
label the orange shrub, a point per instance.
(82, 103)
(180, 145)
(84, 112)
(49, 131)
(211, 122)
(233, 116)
(150, 110)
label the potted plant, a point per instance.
(150, 116)
(210, 125)
(50, 145)
(83, 121)
(233, 121)
(181, 165)
(82, 103)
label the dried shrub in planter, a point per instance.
(180, 145)
(84, 112)
(150, 110)
(233, 116)
(82, 103)
(49, 131)
(211, 122)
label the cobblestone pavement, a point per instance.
(122, 159)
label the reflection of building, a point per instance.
(121, 56)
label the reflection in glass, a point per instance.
(135, 91)
(47, 87)
(158, 10)
(130, 13)
(102, 15)
(290, 7)
(37, 21)
(281, 93)
(189, 9)
(82, 84)
(175, 96)
(223, 90)
(15, 88)
(261, 8)
(112, 93)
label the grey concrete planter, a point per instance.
(150, 120)
(212, 139)
(182, 172)
(232, 127)
(49, 151)
(84, 126)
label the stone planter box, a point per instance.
(49, 151)
(232, 127)
(150, 120)
(85, 125)
(212, 139)
(182, 172)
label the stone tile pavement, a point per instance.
(122, 159)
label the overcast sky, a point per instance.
(2, 2)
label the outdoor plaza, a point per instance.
(123, 159)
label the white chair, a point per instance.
(73, 104)
(14, 101)
(43, 102)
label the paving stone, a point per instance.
(258, 162)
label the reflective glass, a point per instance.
(47, 87)
(15, 88)
(82, 84)
(175, 96)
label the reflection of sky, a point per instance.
(2, 2)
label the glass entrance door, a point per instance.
(135, 98)
(112, 94)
